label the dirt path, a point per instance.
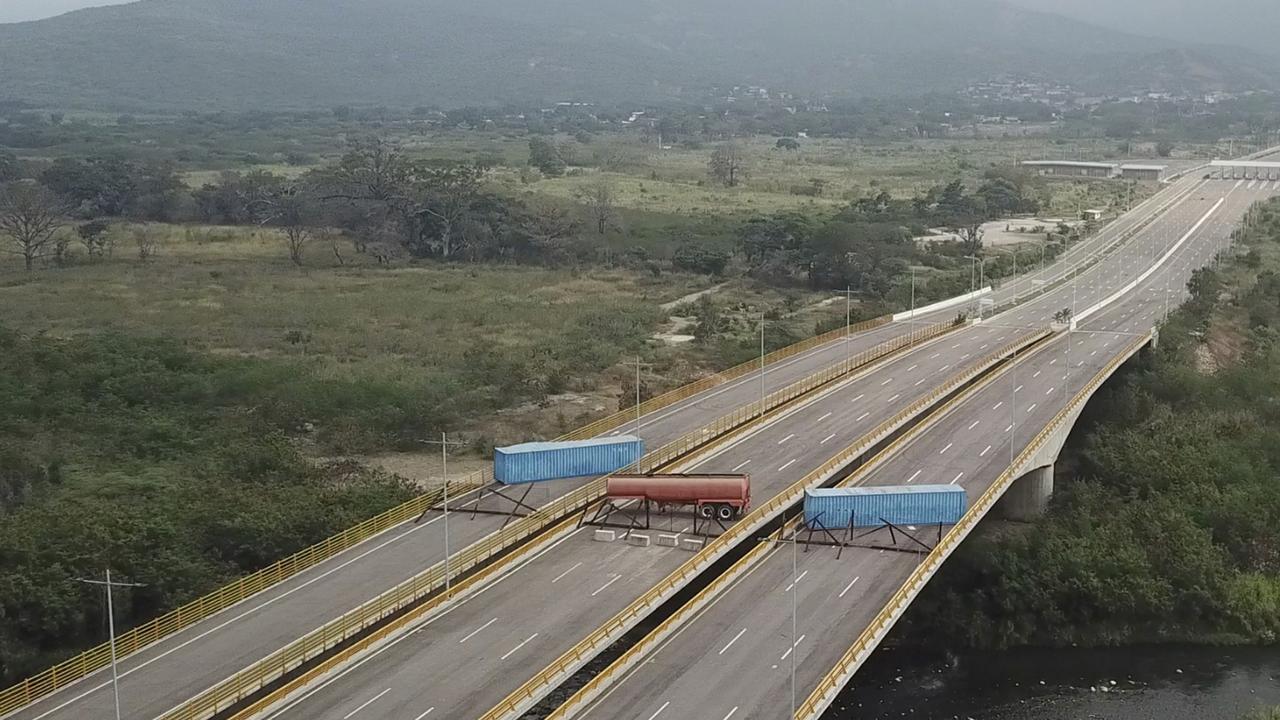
(691, 297)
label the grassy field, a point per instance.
(508, 333)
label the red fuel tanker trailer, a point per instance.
(719, 496)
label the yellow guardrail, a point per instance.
(68, 671)
(830, 686)
(252, 679)
(602, 680)
(606, 634)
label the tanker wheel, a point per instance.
(707, 511)
(724, 512)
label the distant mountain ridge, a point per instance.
(290, 54)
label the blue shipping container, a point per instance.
(538, 461)
(871, 506)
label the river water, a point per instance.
(1144, 683)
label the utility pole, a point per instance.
(762, 364)
(444, 444)
(111, 629)
(638, 413)
(848, 317)
(913, 298)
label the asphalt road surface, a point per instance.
(734, 659)
(165, 674)
(481, 649)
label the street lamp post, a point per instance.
(980, 265)
(444, 444)
(762, 364)
(111, 629)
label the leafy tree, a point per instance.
(727, 164)
(547, 157)
(1165, 148)
(93, 235)
(30, 216)
(787, 143)
(700, 259)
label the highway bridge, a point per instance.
(488, 644)
(730, 654)
(569, 584)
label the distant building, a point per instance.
(1067, 168)
(1091, 214)
(1152, 173)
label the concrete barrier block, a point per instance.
(638, 540)
(669, 540)
(606, 535)
(692, 544)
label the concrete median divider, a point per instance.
(550, 677)
(314, 646)
(826, 691)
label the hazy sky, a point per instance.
(19, 10)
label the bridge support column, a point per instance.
(1028, 497)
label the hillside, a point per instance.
(238, 54)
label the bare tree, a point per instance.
(728, 164)
(147, 242)
(548, 227)
(601, 204)
(291, 209)
(970, 235)
(30, 216)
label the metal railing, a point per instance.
(89, 661)
(830, 686)
(549, 677)
(255, 677)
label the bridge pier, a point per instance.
(1028, 497)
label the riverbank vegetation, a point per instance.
(1168, 530)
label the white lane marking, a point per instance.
(366, 704)
(862, 417)
(886, 382)
(731, 712)
(943, 368)
(997, 405)
(1095, 352)
(984, 452)
(1008, 428)
(975, 424)
(786, 438)
(789, 464)
(964, 356)
(935, 356)
(1033, 407)
(856, 399)
(513, 650)
(1018, 389)
(913, 367)
(824, 417)
(731, 642)
(566, 572)
(473, 632)
(825, 439)
(428, 712)
(740, 466)
(850, 585)
(797, 582)
(602, 587)
(953, 347)
(957, 478)
(895, 397)
(945, 449)
(787, 654)
(1036, 375)
(659, 712)
(921, 380)
(916, 475)
(1053, 361)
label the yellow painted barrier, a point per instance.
(606, 677)
(549, 677)
(315, 644)
(830, 686)
(64, 673)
